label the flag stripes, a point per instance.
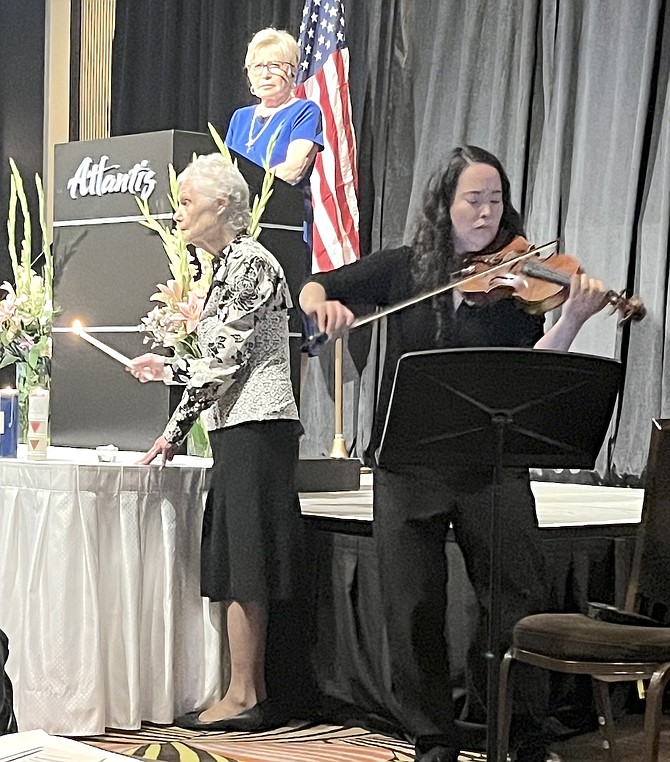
(324, 78)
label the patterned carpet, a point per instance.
(295, 743)
(329, 743)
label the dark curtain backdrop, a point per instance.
(573, 97)
(178, 64)
(21, 115)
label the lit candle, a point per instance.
(78, 329)
(9, 422)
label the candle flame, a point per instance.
(77, 327)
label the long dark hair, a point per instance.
(434, 258)
(434, 255)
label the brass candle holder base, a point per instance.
(339, 447)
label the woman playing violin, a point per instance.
(467, 211)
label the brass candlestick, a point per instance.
(339, 447)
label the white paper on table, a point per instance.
(38, 746)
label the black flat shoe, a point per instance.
(436, 754)
(190, 721)
(263, 716)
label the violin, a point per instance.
(516, 271)
(540, 285)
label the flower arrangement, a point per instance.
(172, 325)
(173, 322)
(27, 310)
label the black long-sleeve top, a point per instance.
(384, 278)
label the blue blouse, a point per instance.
(249, 135)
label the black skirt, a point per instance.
(252, 527)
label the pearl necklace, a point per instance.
(253, 138)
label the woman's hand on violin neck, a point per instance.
(587, 296)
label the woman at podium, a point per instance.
(271, 64)
(252, 524)
(467, 210)
(294, 124)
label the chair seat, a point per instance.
(576, 637)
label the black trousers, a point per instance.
(7, 718)
(413, 509)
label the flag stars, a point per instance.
(320, 34)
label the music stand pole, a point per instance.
(499, 422)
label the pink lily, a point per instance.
(190, 310)
(170, 292)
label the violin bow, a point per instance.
(317, 339)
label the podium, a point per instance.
(107, 266)
(503, 408)
(281, 232)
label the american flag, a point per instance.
(323, 77)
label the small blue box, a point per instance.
(9, 422)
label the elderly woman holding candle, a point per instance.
(242, 384)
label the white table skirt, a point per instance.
(116, 633)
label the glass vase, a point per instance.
(27, 379)
(197, 440)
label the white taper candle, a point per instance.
(78, 329)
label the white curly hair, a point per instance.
(216, 178)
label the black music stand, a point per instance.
(502, 408)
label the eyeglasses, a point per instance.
(273, 67)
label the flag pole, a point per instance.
(339, 447)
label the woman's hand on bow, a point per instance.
(332, 317)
